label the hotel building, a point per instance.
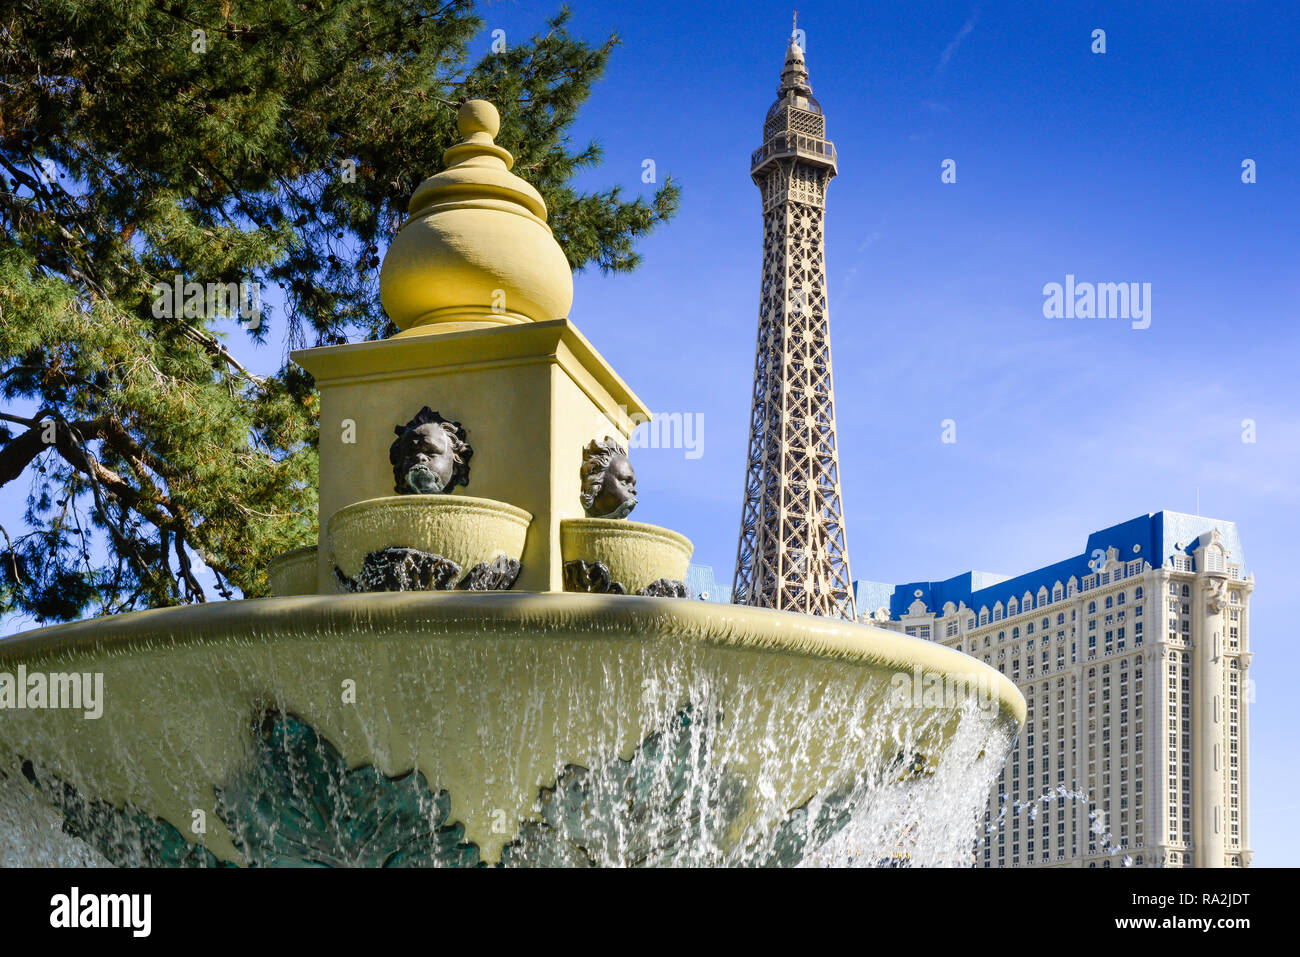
(1134, 660)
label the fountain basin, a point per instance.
(466, 530)
(531, 728)
(294, 572)
(635, 553)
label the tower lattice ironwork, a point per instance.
(793, 554)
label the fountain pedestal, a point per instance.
(531, 394)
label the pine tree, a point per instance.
(145, 139)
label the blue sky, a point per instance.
(1117, 167)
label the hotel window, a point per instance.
(1137, 594)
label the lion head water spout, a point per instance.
(490, 665)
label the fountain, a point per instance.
(484, 661)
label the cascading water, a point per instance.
(530, 730)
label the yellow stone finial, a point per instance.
(478, 116)
(475, 250)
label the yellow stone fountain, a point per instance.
(489, 717)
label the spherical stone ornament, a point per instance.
(478, 116)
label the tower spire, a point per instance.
(794, 75)
(792, 553)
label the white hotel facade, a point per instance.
(1134, 660)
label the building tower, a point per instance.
(1134, 659)
(792, 553)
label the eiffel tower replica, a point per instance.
(792, 553)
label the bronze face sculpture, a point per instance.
(608, 481)
(430, 455)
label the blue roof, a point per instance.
(1154, 538)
